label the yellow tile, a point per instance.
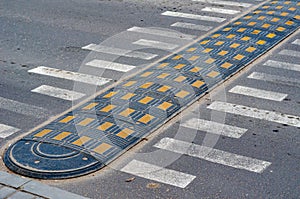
(146, 119)
(191, 49)
(164, 88)
(248, 17)
(234, 45)
(102, 148)
(67, 119)
(179, 66)
(274, 2)
(287, 2)
(257, 11)
(284, 14)
(163, 75)
(266, 25)
(255, 32)
(266, 7)
(261, 42)
(289, 23)
(146, 100)
(298, 4)
(86, 121)
(275, 19)
(109, 95)
(105, 126)
(198, 84)
(90, 106)
(146, 74)
(226, 29)
(238, 23)
(108, 108)
(213, 74)
(163, 65)
(128, 96)
(193, 58)
(207, 50)
(62, 136)
(280, 29)
(195, 69)
(219, 43)
(223, 52)
(210, 61)
(261, 17)
(180, 79)
(270, 12)
(241, 29)
(239, 57)
(271, 35)
(127, 112)
(204, 42)
(182, 94)
(147, 85)
(279, 7)
(81, 141)
(292, 9)
(216, 35)
(177, 57)
(226, 65)
(250, 49)
(125, 133)
(43, 133)
(245, 38)
(165, 105)
(297, 17)
(130, 83)
(252, 23)
(230, 36)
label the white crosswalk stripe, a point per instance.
(275, 79)
(58, 92)
(73, 76)
(110, 65)
(6, 130)
(163, 33)
(159, 174)
(214, 127)
(119, 51)
(296, 42)
(258, 93)
(193, 16)
(213, 155)
(292, 53)
(191, 26)
(283, 65)
(225, 3)
(155, 44)
(220, 10)
(256, 113)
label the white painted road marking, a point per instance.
(159, 174)
(256, 113)
(192, 26)
(73, 76)
(220, 10)
(214, 127)
(275, 79)
(163, 33)
(282, 65)
(213, 155)
(155, 44)
(258, 93)
(58, 92)
(292, 53)
(193, 16)
(22, 108)
(225, 3)
(296, 42)
(110, 65)
(6, 130)
(119, 52)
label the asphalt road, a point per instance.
(260, 160)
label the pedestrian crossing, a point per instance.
(6, 131)
(225, 3)
(221, 10)
(193, 16)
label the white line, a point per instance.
(296, 42)
(6, 130)
(22, 108)
(79, 77)
(258, 93)
(192, 26)
(119, 52)
(292, 53)
(256, 113)
(110, 65)
(282, 65)
(163, 33)
(225, 3)
(213, 155)
(214, 127)
(275, 79)
(159, 174)
(58, 92)
(193, 16)
(156, 44)
(220, 10)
